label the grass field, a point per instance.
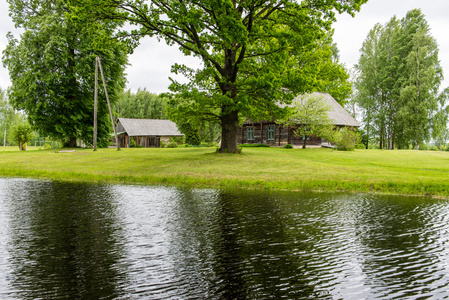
(374, 171)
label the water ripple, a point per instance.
(68, 240)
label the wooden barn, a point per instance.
(274, 134)
(145, 132)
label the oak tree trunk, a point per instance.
(229, 131)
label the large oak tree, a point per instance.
(254, 53)
(51, 67)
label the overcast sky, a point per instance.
(150, 63)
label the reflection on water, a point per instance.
(78, 241)
(63, 240)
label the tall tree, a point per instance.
(4, 114)
(419, 93)
(52, 69)
(254, 53)
(398, 83)
(8, 118)
(368, 81)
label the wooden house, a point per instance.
(274, 134)
(145, 132)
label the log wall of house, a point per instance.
(282, 135)
(143, 141)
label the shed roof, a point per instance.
(337, 113)
(149, 127)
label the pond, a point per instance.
(85, 241)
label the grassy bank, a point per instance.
(397, 172)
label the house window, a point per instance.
(270, 133)
(250, 133)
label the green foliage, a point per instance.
(177, 139)
(288, 146)
(397, 87)
(346, 139)
(8, 118)
(132, 143)
(171, 144)
(254, 145)
(23, 134)
(254, 54)
(191, 132)
(141, 105)
(51, 68)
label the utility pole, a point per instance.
(98, 64)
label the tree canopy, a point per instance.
(141, 105)
(399, 76)
(51, 68)
(255, 54)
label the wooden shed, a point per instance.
(145, 132)
(274, 134)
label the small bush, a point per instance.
(443, 148)
(171, 145)
(132, 143)
(253, 145)
(433, 148)
(47, 146)
(360, 146)
(423, 147)
(346, 139)
(288, 146)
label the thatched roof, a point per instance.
(337, 113)
(147, 127)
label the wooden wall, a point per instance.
(282, 135)
(144, 141)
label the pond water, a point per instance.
(82, 241)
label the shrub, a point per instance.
(132, 143)
(288, 146)
(433, 148)
(47, 146)
(172, 145)
(443, 148)
(360, 146)
(346, 139)
(177, 139)
(423, 147)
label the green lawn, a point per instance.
(399, 172)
